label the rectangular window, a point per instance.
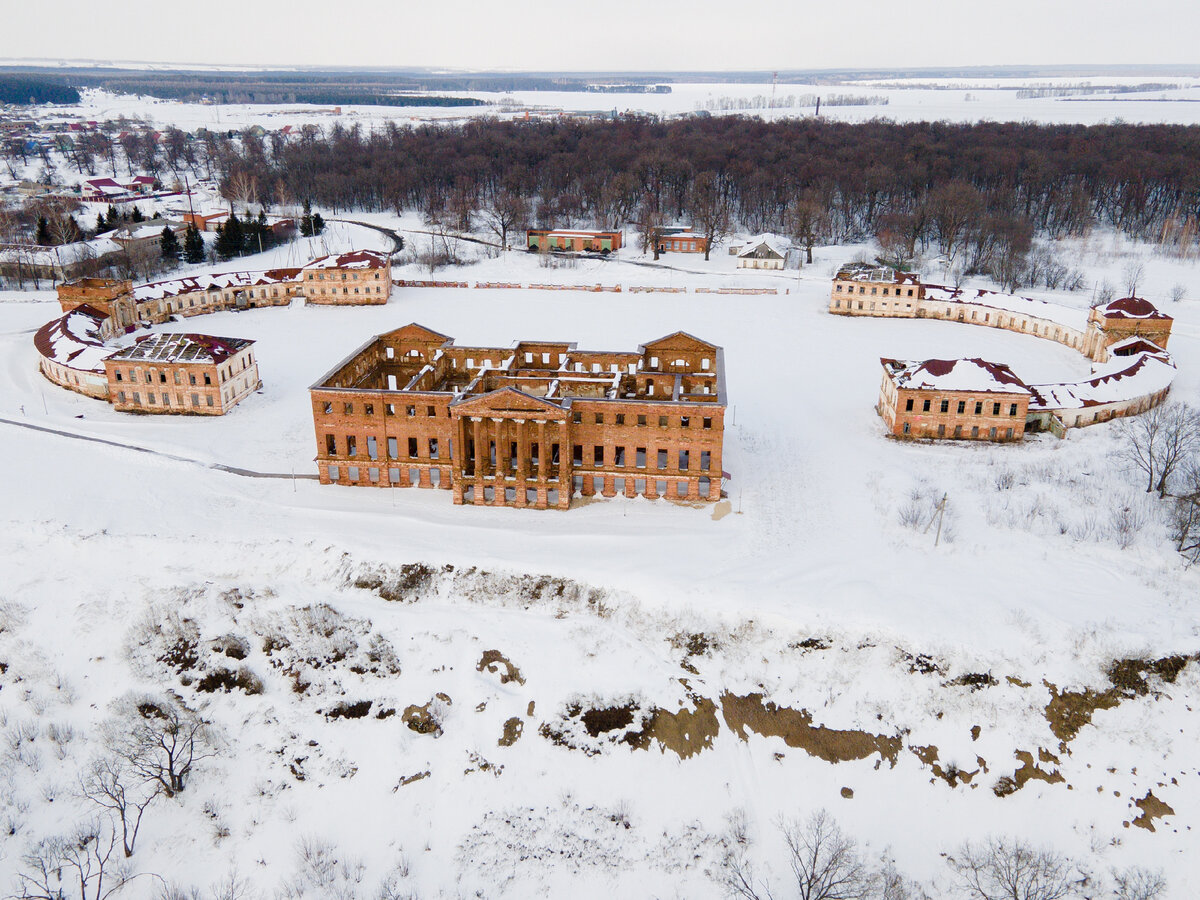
(209, 400)
(941, 431)
(195, 399)
(368, 409)
(372, 447)
(706, 422)
(352, 473)
(945, 407)
(347, 409)
(619, 457)
(207, 378)
(412, 448)
(705, 460)
(995, 409)
(620, 418)
(373, 475)
(962, 407)
(433, 448)
(992, 433)
(191, 378)
(1008, 433)
(908, 405)
(334, 473)
(599, 418)
(958, 431)
(351, 445)
(662, 459)
(979, 408)
(641, 420)
(431, 411)
(684, 459)
(906, 428)
(662, 421)
(119, 375)
(925, 406)
(577, 454)
(1012, 410)
(120, 396)
(598, 456)
(577, 418)
(393, 448)
(639, 457)
(330, 445)
(410, 410)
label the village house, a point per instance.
(182, 374)
(679, 239)
(876, 290)
(763, 252)
(530, 425)
(962, 399)
(603, 242)
(360, 277)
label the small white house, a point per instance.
(763, 252)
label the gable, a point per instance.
(414, 332)
(680, 340)
(507, 402)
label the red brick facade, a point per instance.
(530, 425)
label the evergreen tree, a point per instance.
(136, 215)
(101, 225)
(318, 224)
(169, 244)
(42, 238)
(193, 245)
(114, 218)
(231, 238)
(306, 220)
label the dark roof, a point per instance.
(1132, 308)
(173, 347)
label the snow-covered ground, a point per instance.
(806, 587)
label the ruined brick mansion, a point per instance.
(530, 425)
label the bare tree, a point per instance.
(1185, 515)
(504, 211)
(1003, 869)
(708, 204)
(1133, 277)
(110, 785)
(1160, 440)
(650, 220)
(1137, 883)
(82, 861)
(825, 865)
(159, 740)
(1178, 292)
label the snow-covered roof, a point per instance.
(74, 340)
(973, 375)
(1123, 378)
(862, 271)
(1131, 308)
(186, 348)
(1051, 312)
(63, 255)
(354, 259)
(776, 245)
(219, 281)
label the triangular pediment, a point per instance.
(680, 340)
(507, 402)
(414, 332)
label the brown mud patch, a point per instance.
(423, 719)
(513, 729)
(1152, 808)
(796, 728)
(1069, 711)
(1029, 771)
(721, 510)
(952, 774)
(492, 660)
(686, 732)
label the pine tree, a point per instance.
(42, 238)
(101, 225)
(231, 238)
(318, 224)
(169, 244)
(306, 220)
(113, 220)
(136, 215)
(193, 245)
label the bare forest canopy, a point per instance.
(816, 179)
(30, 89)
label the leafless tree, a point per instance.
(1178, 292)
(1137, 883)
(825, 865)
(1004, 869)
(805, 217)
(159, 740)
(1160, 440)
(110, 785)
(504, 211)
(1185, 515)
(708, 205)
(79, 862)
(650, 220)
(1133, 277)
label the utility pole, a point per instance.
(940, 509)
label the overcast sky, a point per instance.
(611, 34)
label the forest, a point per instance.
(980, 193)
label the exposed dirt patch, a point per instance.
(348, 710)
(686, 732)
(1029, 771)
(974, 680)
(721, 510)
(512, 732)
(590, 730)
(1068, 711)
(796, 728)
(409, 779)
(422, 719)
(492, 660)
(848, 793)
(408, 583)
(923, 664)
(479, 764)
(951, 774)
(596, 721)
(809, 644)
(222, 679)
(1152, 808)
